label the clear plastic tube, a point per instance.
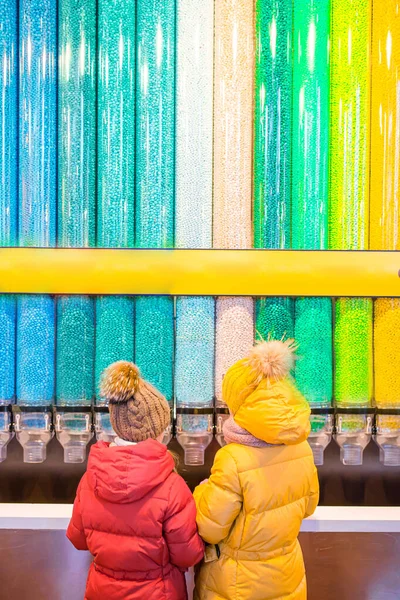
(353, 352)
(309, 216)
(154, 183)
(114, 333)
(313, 333)
(154, 341)
(349, 197)
(275, 318)
(37, 197)
(310, 135)
(234, 336)
(8, 122)
(8, 193)
(7, 349)
(77, 123)
(75, 351)
(116, 123)
(384, 203)
(233, 138)
(194, 367)
(35, 350)
(233, 102)
(195, 331)
(37, 122)
(155, 118)
(194, 124)
(272, 120)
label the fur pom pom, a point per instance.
(273, 359)
(119, 382)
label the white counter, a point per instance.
(326, 518)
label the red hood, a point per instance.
(123, 474)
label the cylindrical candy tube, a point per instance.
(384, 202)
(349, 196)
(154, 341)
(75, 350)
(37, 192)
(116, 124)
(155, 129)
(35, 350)
(194, 124)
(114, 333)
(9, 183)
(8, 122)
(77, 123)
(272, 134)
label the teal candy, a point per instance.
(275, 318)
(114, 332)
(154, 341)
(310, 141)
(116, 124)
(273, 123)
(77, 123)
(155, 180)
(7, 348)
(313, 333)
(313, 326)
(155, 118)
(35, 350)
(75, 350)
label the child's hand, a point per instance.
(203, 482)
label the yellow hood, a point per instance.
(262, 398)
(276, 413)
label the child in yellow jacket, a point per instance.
(262, 485)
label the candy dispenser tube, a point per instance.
(194, 369)
(154, 341)
(232, 177)
(9, 122)
(234, 336)
(349, 207)
(8, 204)
(74, 375)
(194, 366)
(37, 219)
(272, 151)
(273, 123)
(155, 129)
(116, 124)
(385, 219)
(114, 341)
(77, 123)
(155, 181)
(76, 218)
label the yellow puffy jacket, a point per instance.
(255, 500)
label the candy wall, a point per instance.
(272, 124)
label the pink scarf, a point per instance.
(234, 434)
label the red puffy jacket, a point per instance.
(138, 519)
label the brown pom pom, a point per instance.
(273, 359)
(119, 382)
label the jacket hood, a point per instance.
(275, 412)
(123, 474)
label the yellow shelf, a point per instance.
(199, 272)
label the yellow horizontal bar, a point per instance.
(199, 272)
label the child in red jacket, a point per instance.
(132, 511)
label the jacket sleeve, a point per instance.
(219, 501)
(75, 531)
(185, 546)
(313, 498)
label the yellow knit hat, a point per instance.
(271, 361)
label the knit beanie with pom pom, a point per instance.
(271, 361)
(138, 411)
